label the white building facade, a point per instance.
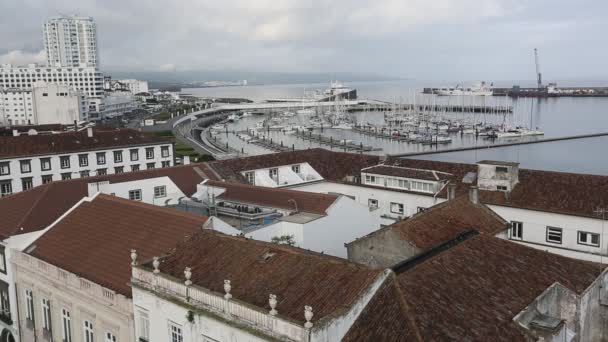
(22, 173)
(71, 41)
(87, 80)
(118, 103)
(135, 86)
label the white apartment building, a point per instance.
(30, 160)
(44, 104)
(87, 80)
(135, 86)
(71, 41)
(117, 103)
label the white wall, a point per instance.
(173, 193)
(535, 228)
(74, 169)
(345, 221)
(58, 104)
(362, 194)
(161, 312)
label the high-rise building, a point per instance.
(71, 41)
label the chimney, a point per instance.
(75, 126)
(90, 132)
(451, 188)
(474, 194)
(186, 160)
(15, 133)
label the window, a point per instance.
(119, 169)
(6, 188)
(110, 337)
(502, 169)
(45, 164)
(164, 151)
(295, 168)
(517, 230)
(554, 235)
(150, 165)
(420, 209)
(589, 239)
(370, 179)
(166, 164)
(101, 158)
(26, 166)
(26, 183)
(396, 208)
(2, 260)
(134, 167)
(46, 314)
(118, 156)
(273, 173)
(250, 176)
(372, 203)
(102, 172)
(47, 179)
(66, 326)
(150, 153)
(143, 326)
(83, 160)
(84, 173)
(66, 175)
(88, 331)
(135, 195)
(5, 169)
(160, 191)
(176, 333)
(134, 155)
(421, 186)
(65, 162)
(501, 188)
(29, 307)
(4, 302)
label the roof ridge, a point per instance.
(26, 216)
(405, 307)
(409, 168)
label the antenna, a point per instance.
(539, 77)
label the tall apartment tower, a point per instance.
(71, 41)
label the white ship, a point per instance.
(481, 89)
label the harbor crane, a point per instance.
(539, 77)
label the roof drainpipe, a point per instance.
(474, 194)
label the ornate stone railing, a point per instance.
(225, 306)
(73, 282)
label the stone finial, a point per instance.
(227, 288)
(272, 301)
(188, 275)
(133, 257)
(155, 264)
(308, 315)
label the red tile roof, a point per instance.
(310, 202)
(94, 241)
(470, 292)
(33, 145)
(330, 165)
(256, 269)
(36, 208)
(558, 192)
(444, 221)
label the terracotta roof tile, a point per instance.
(95, 239)
(309, 202)
(33, 145)
(330, 165)
(257, 269)
(444, 221)
(36, 208)
(470, 292)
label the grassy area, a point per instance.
(182, 149)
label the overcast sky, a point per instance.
(424, 39)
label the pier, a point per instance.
(507, 144)
(332, 143)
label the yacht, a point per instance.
(481, 89)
